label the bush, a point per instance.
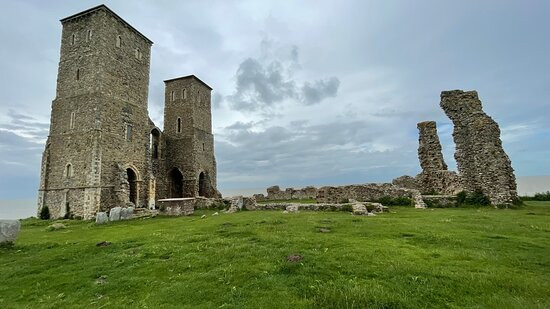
(476, 198)
(45, 213)
(347, 207)
(395, 201)
(543, 196)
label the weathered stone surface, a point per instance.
(434, 178)
(376, 207)
(56, 226)
(292, 208)
(482, 163)
(359, 209)
(177, 206)
(114, 214)
(249, 203)
(102, 148)
(237, 202)
(405, 181)
(366, 192)
(126, 213)
(101, 218)
(9, 229)
(275, 193)
(439, 201)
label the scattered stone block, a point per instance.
(114, 214)
(57, 226)
(359, 209)
(9, 229)
(101, 218)
(292, 208)
(126, 213)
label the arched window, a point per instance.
(77, 74)
(73, 115)
(173, 96)
(128, 132)
(89, 35)
(73, 39)
(178, 125)
(137, 52)
(118, 41)
(184, 94)
(155, 135)
(69, 171)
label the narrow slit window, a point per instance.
(69, 170)
(73, 39)
(77, 74)
(89, 35)
(118, 41)
(137, 52)
(184, 93)
(173, 96)
(202, 146)
(73, 115)
(128, 132)
(178, 126)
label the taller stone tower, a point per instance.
(98, 144)
(190, 161)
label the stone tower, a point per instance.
(99, 117)
(188, 127)
(103, 150)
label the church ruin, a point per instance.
(103, 150)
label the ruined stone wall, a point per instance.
(405, 181)
(434, 178)
(482, 163)
(366, 192)
(275, 193)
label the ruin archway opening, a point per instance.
(155, 136)
(176, 183)
(132, 182)
(203, 184)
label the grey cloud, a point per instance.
(321, 89)
(217, 100)
(261, 85)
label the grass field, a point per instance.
(408, 258)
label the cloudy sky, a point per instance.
(306, 92)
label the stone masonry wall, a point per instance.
(482, 163)
(434, 178)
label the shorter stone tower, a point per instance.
(189, 159)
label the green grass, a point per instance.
(412, 258)
(300, 201)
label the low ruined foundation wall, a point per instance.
(177, 206)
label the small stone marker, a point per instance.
(101, 218)
(9, 229)
(126, 213)
(114, 214)
(359, 209)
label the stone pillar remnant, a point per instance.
(482, 163)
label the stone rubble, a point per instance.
(9, 229)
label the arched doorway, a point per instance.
(132, 181)
(155, 135)
(176, 183)
(202, 184)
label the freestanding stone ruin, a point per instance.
(434, 178)
(482, 163)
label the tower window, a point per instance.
(202, 146)
(173, 96)
(73, 39)
(178, 126)
(184, 93)
(77, 74)
(89, 35)
(118, 41)
(69, 171)
(71, 124)
(128, 132)
(137, 53)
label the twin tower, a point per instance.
(103, 150)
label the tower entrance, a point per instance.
(176, 183)
(132, 181)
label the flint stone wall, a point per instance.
(434, 178)
(482, 163)
(275, 193)
(405, 181)
(367, 192)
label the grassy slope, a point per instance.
(410, 258)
